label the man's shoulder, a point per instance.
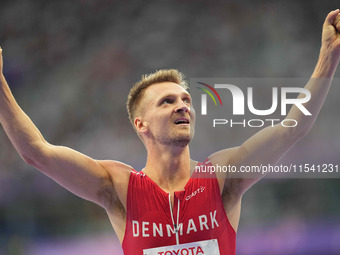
(115, 166)
(118, 172)
(222, 157)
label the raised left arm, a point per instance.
(271, 143)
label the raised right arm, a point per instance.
(101, 182)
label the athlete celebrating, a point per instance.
(169, 207)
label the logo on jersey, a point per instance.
(196, 192)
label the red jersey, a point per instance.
(197, 222)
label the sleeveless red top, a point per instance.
(198, 215)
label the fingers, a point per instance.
(331, 17)
(336, 22)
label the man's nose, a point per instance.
(182, 107)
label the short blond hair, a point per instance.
(137, 91)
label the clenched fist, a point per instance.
(331, 33)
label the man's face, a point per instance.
(167, 114)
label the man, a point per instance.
(169, 207)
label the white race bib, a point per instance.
(209, 247)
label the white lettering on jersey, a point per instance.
(135, 228)
(213, 219)
(147, 229)
(203, 222)
(159, 229)
(191, 226)
(170, 229)
(199, 190)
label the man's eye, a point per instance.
(167, 101)
(186, 100)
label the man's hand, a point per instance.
(331, 33)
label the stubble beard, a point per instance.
(171, 139)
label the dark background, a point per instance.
(70, 65)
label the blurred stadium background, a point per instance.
(70, 65)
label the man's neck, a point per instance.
(170, 169)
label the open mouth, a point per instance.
(180, 121)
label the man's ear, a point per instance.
(141, 127)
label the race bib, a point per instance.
(209, 247)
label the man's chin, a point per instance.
(181, 141)
(178, 139)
